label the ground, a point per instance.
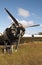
(27, 54)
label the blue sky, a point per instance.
(29, 11)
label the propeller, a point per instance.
(16, 22)
(35, 25)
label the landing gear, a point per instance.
(8, 49)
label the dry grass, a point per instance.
(27, 54)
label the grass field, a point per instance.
(27, 54)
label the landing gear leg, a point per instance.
(5, 48)
(11, 47)
(16, 47)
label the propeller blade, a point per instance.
(16, 22)
(35, 25)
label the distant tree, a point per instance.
(40, 33)
(32, 35)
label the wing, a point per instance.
(16, 22)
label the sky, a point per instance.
(28, 12)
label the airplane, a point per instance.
(14, 33)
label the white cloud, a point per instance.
(26, 23)
(23, 12)
(41, 25)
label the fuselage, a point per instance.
(11, 34)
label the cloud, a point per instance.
(26, 23)
(23, 22)
(24, 13)
(41, 25)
